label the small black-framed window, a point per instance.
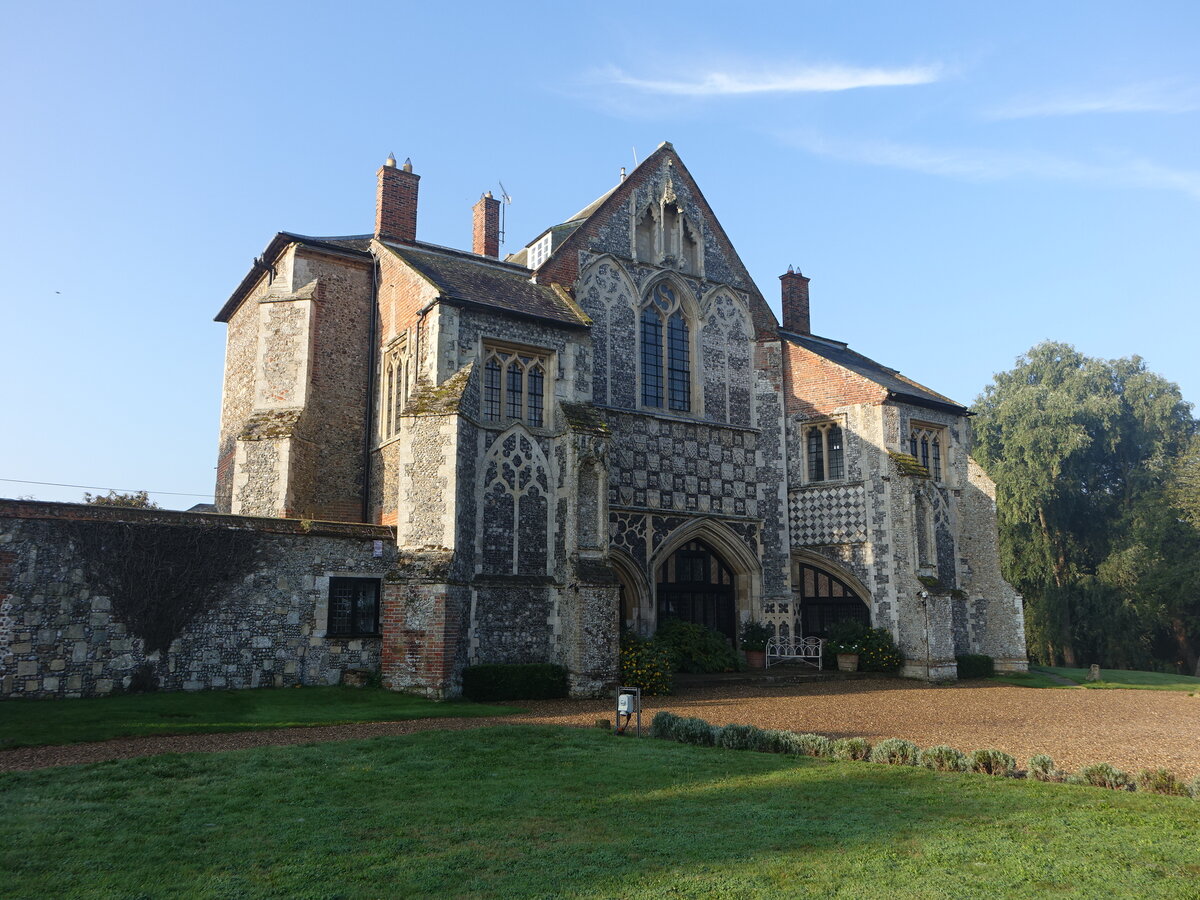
(353, 607)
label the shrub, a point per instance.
(975, 665)
(1161, 781)
(1042, 768)
(755, 636)
(695, 731)
(663, 725)
(943, 759)
(895, 752)
(1194, 788)
(738, 737)
(851, 749)
(514, 681)
(876, 650)
(646, 665)
(812, 745)
(1105, 776)
(775, 741)
(991, 762)
(694, 648)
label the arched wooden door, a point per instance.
(695, 585)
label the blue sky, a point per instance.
(959, 180)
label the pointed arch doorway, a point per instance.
(825, 598)
(696, 585)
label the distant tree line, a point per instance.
(1097, 471)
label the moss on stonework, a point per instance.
(584, 417)
(267, 426)
(440, 399)
(907, 464)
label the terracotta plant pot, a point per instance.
(756, 659)
(847, 662)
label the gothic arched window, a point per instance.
(514, 386)
(393, 390)
(666, 366)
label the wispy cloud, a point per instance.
(1155, 97)
(792, 80)
(986, 165)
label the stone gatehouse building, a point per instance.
(605, 428)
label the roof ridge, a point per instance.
(465, 255)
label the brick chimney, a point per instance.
(396, 202)
(795, 302)
(486, 240)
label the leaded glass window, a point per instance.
(672, 358)
(925, 443)
(652, 363)
(519, 376)
(394, 388)
(353, 607)
(823, 448)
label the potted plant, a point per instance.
(754, 643)
(847, 654)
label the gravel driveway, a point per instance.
(1128, 728)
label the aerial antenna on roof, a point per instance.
(504, 201)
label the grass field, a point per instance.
(1110, 678)
(31, 723)
(542, 812)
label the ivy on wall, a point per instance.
(158, 577)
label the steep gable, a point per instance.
(610, 225)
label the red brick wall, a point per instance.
(816, 387)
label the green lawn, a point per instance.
(1111, 678)
(30, 723)
(545, 812)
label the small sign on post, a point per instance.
(629, 709)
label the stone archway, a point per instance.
(637, 609)
(826, 595)
(731, 552)
(696, 585)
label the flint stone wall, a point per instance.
(59, 636)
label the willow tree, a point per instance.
(1077, 447)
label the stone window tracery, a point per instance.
(927, 444)
(824, 451)
(516, 492)
(665, 364)
(395, 383)
(514, 386)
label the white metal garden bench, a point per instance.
(806, 650)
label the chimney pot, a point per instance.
(407, 164)
(794, 288)
(485, 218)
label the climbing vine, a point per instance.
(159, 578)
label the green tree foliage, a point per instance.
(1087, 455)
(132, 500)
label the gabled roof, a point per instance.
(563, 230)
(482, 281)
(354, 245)
(898, 386)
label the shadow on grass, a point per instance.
(524, 811)
(32, 723)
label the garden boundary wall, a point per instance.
(262, 620)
